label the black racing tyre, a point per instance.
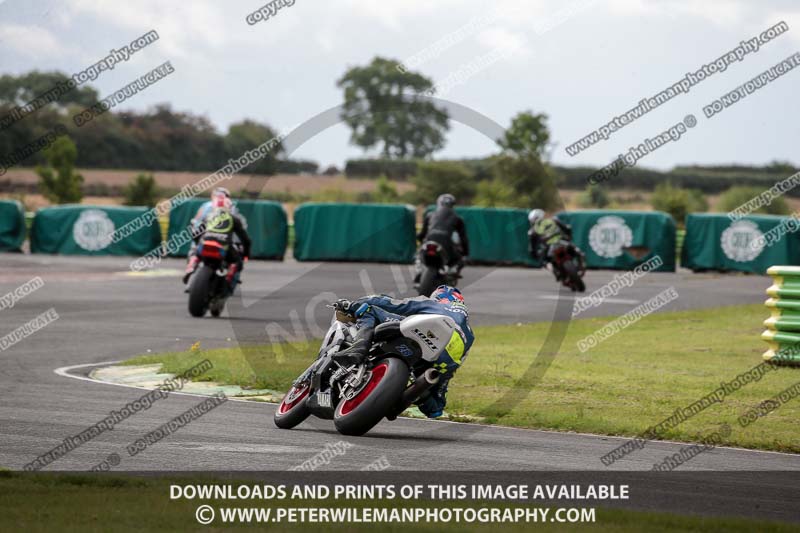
(378, 398)
(199, 293)
(217, 309)
(293, 409)
(571, 273)
(428, 281)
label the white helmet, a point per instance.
(535, 216)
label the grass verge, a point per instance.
(626, 384)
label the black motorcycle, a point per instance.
(397, 372)
(208, 286)
(435, 269)
(569, 265)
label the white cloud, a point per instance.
(719, 12)
(395, 15)
(31, 41)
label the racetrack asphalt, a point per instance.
(108, 314)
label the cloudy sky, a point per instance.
(581, 62)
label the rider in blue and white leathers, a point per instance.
(448, 301)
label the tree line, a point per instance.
(157, 139)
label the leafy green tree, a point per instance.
(594, 196)
(494, 193)
(677, 201)
(385, 191)
(172, 140)
(520, 165)
(246, 135)
(533, 183)
(528, 136)
(19, 90)
(142, 190)
(58, 181)
(438, 177)
(781, 167)
(738, 195)
(384, 108)
(698, 203)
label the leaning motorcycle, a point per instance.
(435, 270)
(208, 286)
(397, 372)
(569, 265)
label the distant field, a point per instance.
(295, 184)
(279, 183)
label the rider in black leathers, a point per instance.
(439, 226)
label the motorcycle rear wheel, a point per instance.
(377, 399)
(217, 308)
(428, 281)
(571, 274)
(199, 293)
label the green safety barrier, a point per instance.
(12, 226)
(89, 230)
(623, 239)
(354, 232)
(266, 221)
(783, 326)
(714, 242)
(496, 235)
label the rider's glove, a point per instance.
(353, 309)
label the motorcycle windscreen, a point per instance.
(431, 332)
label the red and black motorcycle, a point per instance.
(569, 265)
(209, 285)
(435, 268)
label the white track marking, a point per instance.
(605, 300)
(64, 372)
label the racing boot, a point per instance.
(190, 268)
(232, 279)
(357, 352)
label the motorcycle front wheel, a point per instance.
(199, 293)
(376, 399)
(293, 410)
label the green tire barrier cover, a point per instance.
(355, 232)
(267, 226)
(783, 326)
(714, 242)
(496, 235)
(12, 226)
(89, 230)
(623, 240)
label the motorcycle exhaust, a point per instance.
(420, 386)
